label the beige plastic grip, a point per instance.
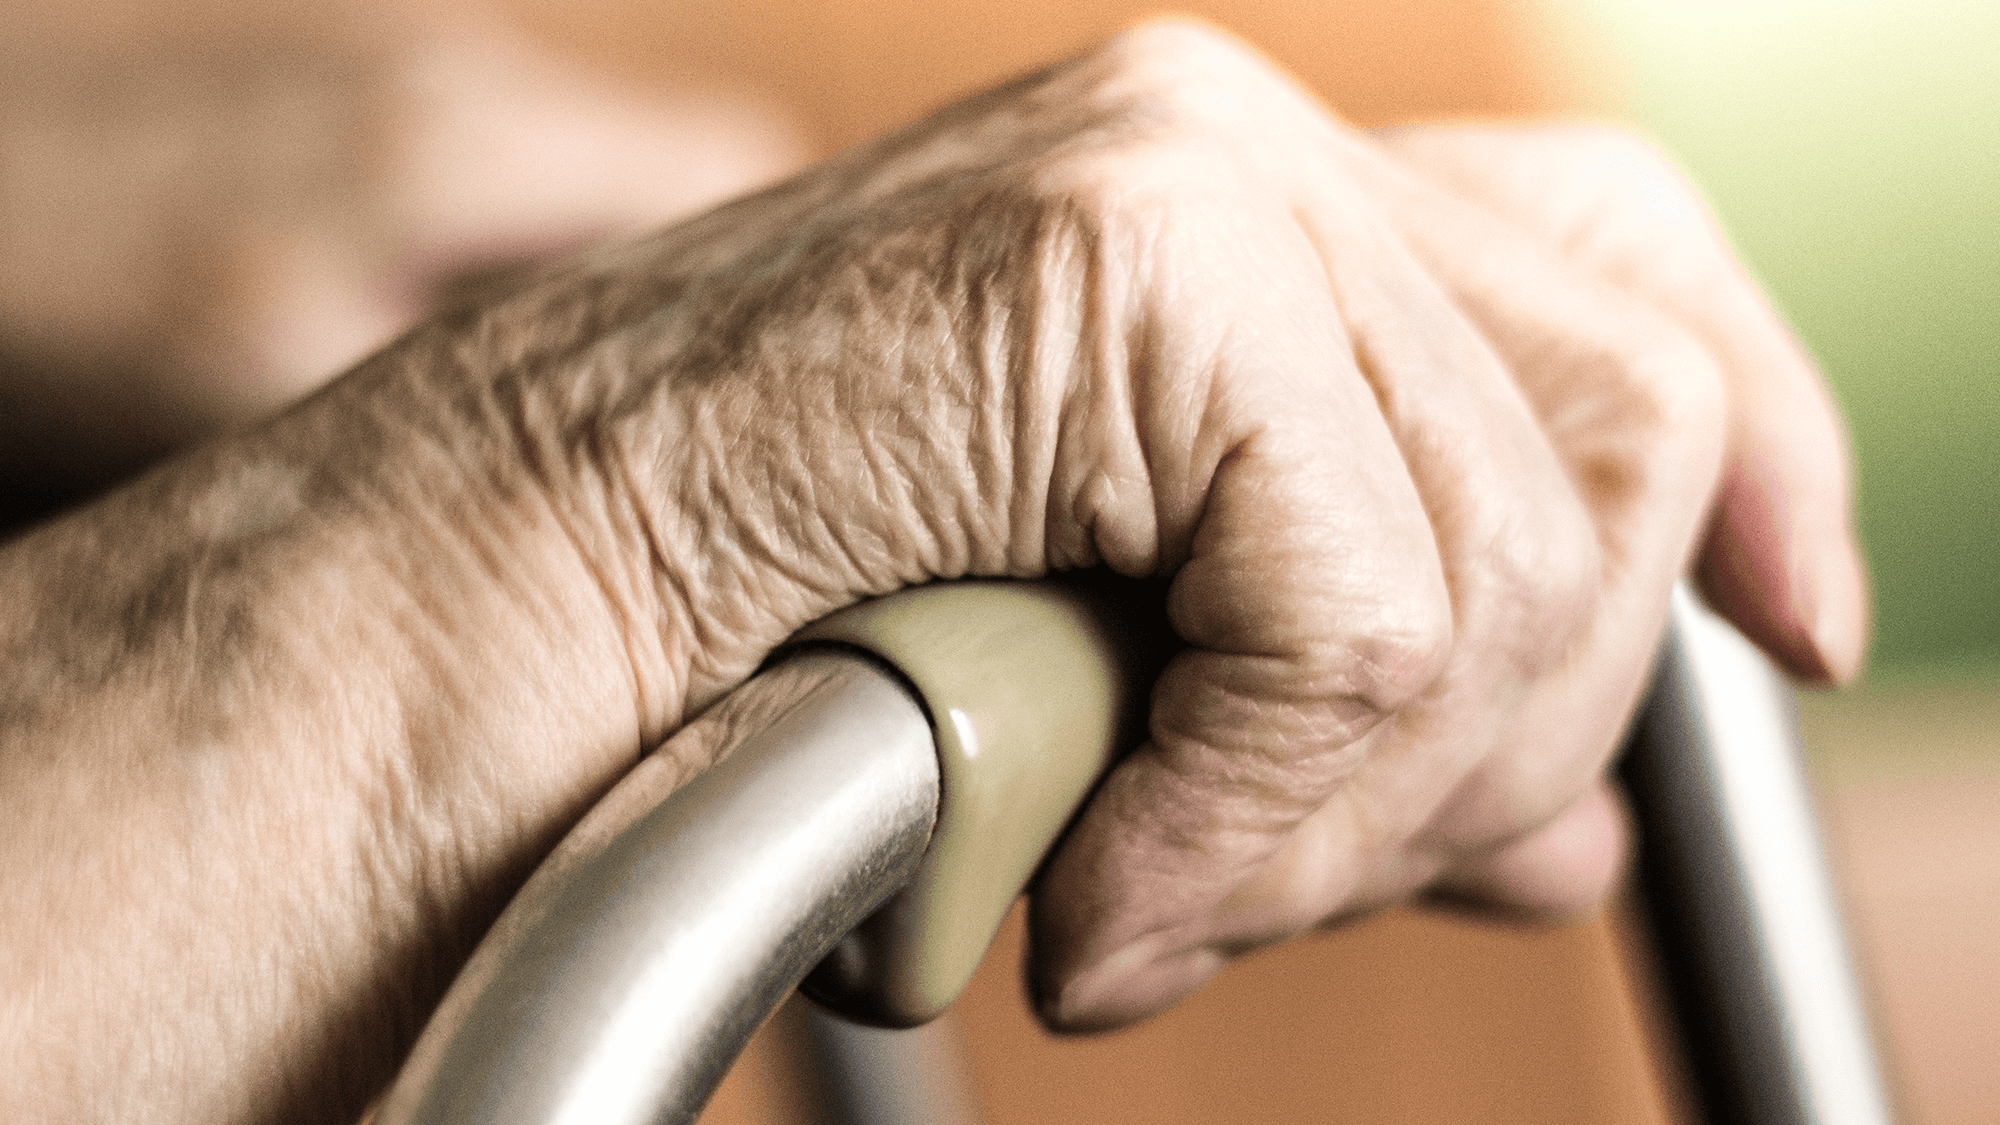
(1032, 688)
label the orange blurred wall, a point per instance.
(852, 68)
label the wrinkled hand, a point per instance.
(1422, 427)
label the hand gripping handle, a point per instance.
(631, 968)
(628, 973)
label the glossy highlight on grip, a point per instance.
(1033, 689)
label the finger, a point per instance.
(1781, 559)
(1558, 869)
(1314, 603)
(1635, 406)
(1517, 561)
(1521, 561)
(1515, 537)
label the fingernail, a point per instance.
(1828, 598)
(1090, 999)
(1838, 621)
(1130, 985)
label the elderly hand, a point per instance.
(1422, 427)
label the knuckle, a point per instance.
(1171, 110)
(1396, 656)
(1651, 218)
(1167, 52)
(1675, 381)
(1607, 145)
(1105, 188)
(1662, 412)
(1182, 76)
(1543, 584)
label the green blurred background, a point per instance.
(1853, 149)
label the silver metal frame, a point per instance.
(631, 969)
(1744, 917)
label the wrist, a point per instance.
(284, 722)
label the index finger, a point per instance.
(1780, 558)
(1314, 602)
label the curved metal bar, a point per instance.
(881, 1076)
(1743, 911)
(628, 973)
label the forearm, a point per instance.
(288, 718)
(281, 725)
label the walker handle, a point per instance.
(629, 971)
(634, 964)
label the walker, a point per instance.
(926, 749)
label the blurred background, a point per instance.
(1852, 148)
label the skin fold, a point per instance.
(1422, 427)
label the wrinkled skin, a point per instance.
(1422, 427)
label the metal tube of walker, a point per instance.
(628, 973)
(1742, 910)
(633, 966)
